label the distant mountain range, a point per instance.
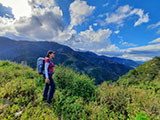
(127, 62)
(101, 68)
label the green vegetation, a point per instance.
(135, 96)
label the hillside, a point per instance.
(76, 96)
(21, 93)
(146, 75)
(84, 62)
(126, 62)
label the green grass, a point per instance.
(134, 97)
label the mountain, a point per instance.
(126, 62)
(85, 62)
(135, 96)
(123, 61)
(147, 74)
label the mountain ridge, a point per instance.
(85, 62)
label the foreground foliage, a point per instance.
(135, 96)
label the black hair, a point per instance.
(50, 52)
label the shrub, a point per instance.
(73, 83)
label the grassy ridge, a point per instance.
(135, 96)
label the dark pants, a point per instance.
(52, 90)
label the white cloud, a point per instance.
(20, 8)
(89, 39)
(65, 36)
(95, 24)
(6, 25)
(116, 32)
(101, 15)
(120, 14)
(106, 4)
(124, 12)
(128, 44)
(44, 23)
(43, 27)
(100, 35)
(142, 53)
(145, 48)
(44, 3)
(136, 57)
(155, 41)
(109, 48)
(144, 18)
(154, 25)
(79, 10)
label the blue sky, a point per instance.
(122, 28)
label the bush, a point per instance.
(73, 83)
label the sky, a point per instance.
(127, 29)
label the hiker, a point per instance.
(48, 76)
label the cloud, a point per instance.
(100, 35)
(79, 10)
(128, 44)
(136, 57)
(44, 23)
(145, 48)
(101, 15)
(124, 12)
(142, 53)
(106, 4)
(42, 3)
(148, 51)
(20, 8)
(95, 24)
(116, 4)
(153, 26)
(144, 18)
(155, 41)
(89, 39)
(116, 32)
(44, 26)
(6, 25)
(110, 50)
(120, 14)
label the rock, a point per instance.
(18, 113)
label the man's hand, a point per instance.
(47, 80)
(52, 75)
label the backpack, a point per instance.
(41, 65)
